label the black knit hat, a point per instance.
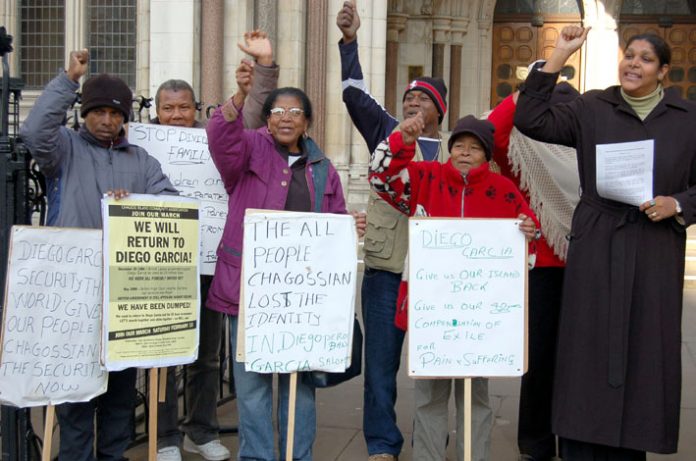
(433, 87)
(106, 90)
(482, 129)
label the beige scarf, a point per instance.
(549, 174)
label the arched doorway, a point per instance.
(675, 22)
(524, 31)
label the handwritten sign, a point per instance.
(151, 298)
(51, 317)
(297, 305)
(185, 159)
(467, 297)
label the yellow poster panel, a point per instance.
(151, 297)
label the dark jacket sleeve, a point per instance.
(538, 119)
(230, 147)
(265, 81)
(371, 119)
(43, 131)
(157, 181)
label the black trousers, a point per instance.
(574, 450)
(534, 436)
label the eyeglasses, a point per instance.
(279, 112)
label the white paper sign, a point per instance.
(298, 291)
(467, 299)
(51, 318)
(625, 171)
(185, 159)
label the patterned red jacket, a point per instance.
(439, 190)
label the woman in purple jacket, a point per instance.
(276, 167)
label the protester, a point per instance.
(617, 386)
(462, 187)
(80, 167)
(547, 174)
(386, 236)
(176, 105)
(274, 167)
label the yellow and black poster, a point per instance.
(151, 291)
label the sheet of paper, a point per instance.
(625, 171)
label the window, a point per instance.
(42, 41)
(111, 38)
(669, 7)
(546, 7)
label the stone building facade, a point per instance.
(480, 47)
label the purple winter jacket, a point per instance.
(255, 175)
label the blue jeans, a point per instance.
(114, 411)
(383, 342)
(255, 407)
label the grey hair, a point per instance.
(174, 85)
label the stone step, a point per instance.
(689, 282)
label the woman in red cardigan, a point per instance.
(462, 187)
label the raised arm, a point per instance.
(535, 117)
(371, 119)
(502, 118)
(229, 143)
(265, 76)
(43, 131)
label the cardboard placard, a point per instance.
(467, 298)
(298, 292)
(183, 154)
(52, 317)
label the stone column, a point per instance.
(315, 76)
(599, 54)
(266, 18)
(441, 31)
(212, 53)
(75, 27)
(290, 46)
(180, 30)
(396, 22)
(142, 61)
(10, 19)
(457, 33)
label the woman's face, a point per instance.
(467, 153)
(287, 125)
(640, 70)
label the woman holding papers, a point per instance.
(618, 374)
(276, 167)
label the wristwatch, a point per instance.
(679, 208)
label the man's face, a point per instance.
(176, 108)
(105, 123)
(419, 101)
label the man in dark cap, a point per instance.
(386, 239)
(80, 167)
